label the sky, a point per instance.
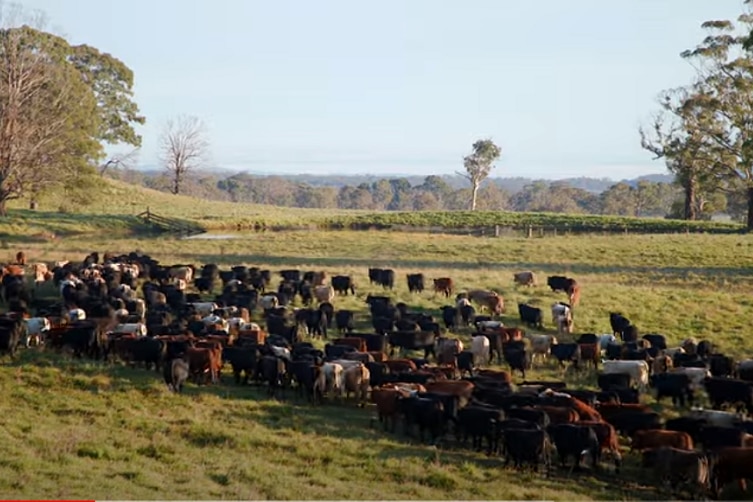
(401, 86)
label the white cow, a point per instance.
(35, 328)
(324, 293)
(559, 309)
(541, 346)
(204, 308)
(137, 328)
(480, 349)
(269, 302)
(330, 380)
(695, 375)
(637, 370)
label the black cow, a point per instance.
(274, 371)
(291, 275)
(721, 365)
(344, 320)
(729, 391)
(426, 413)
(449, 316)
(415, 283)
(574, 441)
(413, 340)
(516, 356)
(628, 422)
(480, 422)
(560, 283)
(532, 316)
(329, 312)
(690, 425)
(658, 342)
(342, 284)
(714, 437)
(609, 381)
(242, 360)
(564, 352)
(675, 385)
(618, 322)
(526, 446)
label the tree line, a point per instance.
(644, 198)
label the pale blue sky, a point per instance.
(401, 86)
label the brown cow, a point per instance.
(487, 299)
(656, 438)
(443, 285)
(590, 353)
(356, 380)
(202, 361)
(385, 399)
(460, 388)
(527, 278)
(21, 258)
(608, 439)
(499, 375)
(400, 365)
(560, 414)
(573, 294)
(733, 464)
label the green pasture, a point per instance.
(85, 429)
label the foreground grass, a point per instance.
(79, 429)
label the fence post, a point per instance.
(496, 230)
(530, 231)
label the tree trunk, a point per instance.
(690, 189)
(474, 195)
(750, 208)
(3, 207)
(176, 184)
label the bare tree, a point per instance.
(123, 160)
(479, 164)
(184, 147)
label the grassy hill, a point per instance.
(114, 205)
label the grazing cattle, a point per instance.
(638, 371)
(559, 309)
(729, 391)
(447, 350)
(677, 386)
(527, 446)
(590, 353)
(480, 349)
(36, 327)
(696, 376)
(572, 440)
(566, 352)
(415, 283)
(356, 380)
(722, 366)
(489, 300)
(618, 322)
(386, 400)
(713, 437)
(564, 323)
(657, 438)
(573, 294)
(443, 285)
(532, 316)
(203, 308)
(21, 258)
(330, 380)
(449, 316)
(176, 373)
(525, 278)
(679, 466)
(344, 321)
(516, 356)
(745, 370)
(324, 293)
(342, 284)
(541, 345)
(732, 464)
(559, 283)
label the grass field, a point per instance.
(81, 429)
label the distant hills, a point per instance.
(512, 185)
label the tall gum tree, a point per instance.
(721, 108)
(478, 165)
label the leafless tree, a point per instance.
(124, 160)
(184, 147)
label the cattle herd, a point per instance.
(449, 393)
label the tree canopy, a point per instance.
(59, 105)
